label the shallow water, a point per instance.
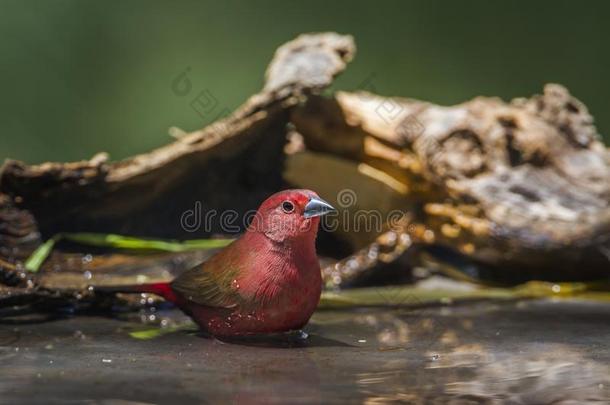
(527, 352)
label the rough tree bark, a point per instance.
(522, 186)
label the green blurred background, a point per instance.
(80, 77)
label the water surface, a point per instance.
(528, 352)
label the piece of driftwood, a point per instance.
(522, 187)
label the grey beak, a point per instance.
(316, 207)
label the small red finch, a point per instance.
(267, 281)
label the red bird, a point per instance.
(267, 281)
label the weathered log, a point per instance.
(523, 186)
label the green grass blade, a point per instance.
(37, 258)
(147, 334)
(128, 242)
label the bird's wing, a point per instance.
(210, 284)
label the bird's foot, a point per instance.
(300, 334)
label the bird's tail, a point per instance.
(161, 289)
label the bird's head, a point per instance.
(290, 215)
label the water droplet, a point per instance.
(556, 288)
(88, 275)
(88, 258)
(390, 238)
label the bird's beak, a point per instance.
(316, 207)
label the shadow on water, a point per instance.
(284, 341)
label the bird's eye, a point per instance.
(287, 207)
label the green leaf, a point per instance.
(38, 257)
(128, 242)
(147, 334)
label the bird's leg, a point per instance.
(386, 248)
